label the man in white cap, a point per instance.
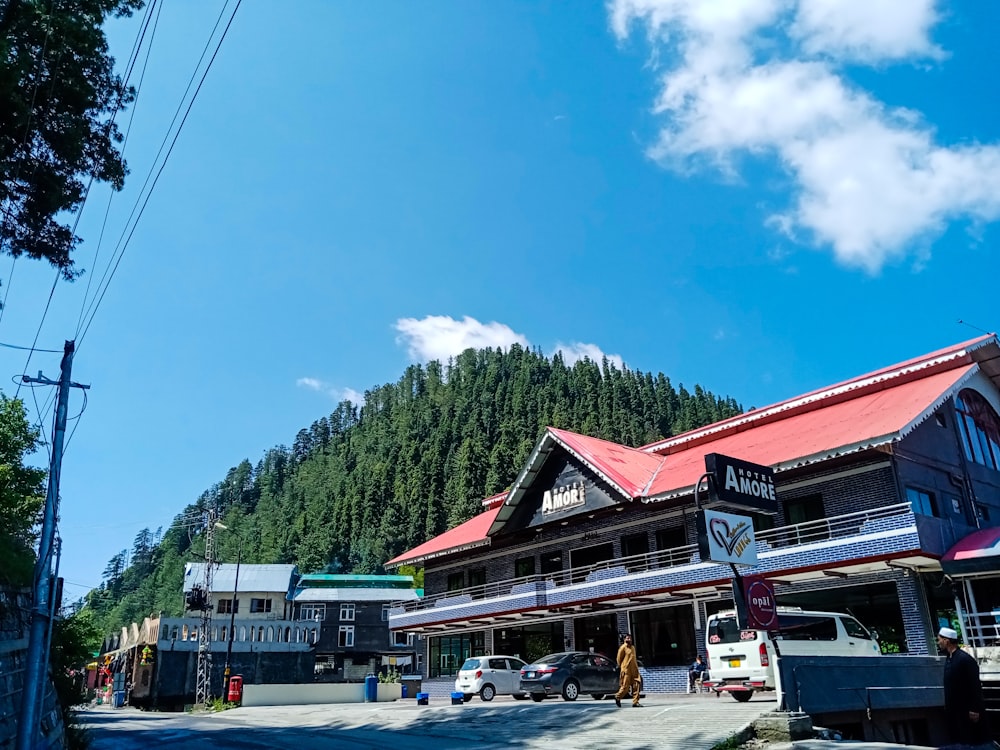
(963, 693)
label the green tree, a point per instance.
(58, 97)
(22, 494)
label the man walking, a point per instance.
(963, 693)
(628, 673)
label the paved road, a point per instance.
(666, 722)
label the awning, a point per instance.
(979, 552)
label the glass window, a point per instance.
(498, 664)
(226, 607)
(385, 612)
(978, 427)
(805, 510)
(671, 538)
(477, 577)
(312, 612)
(402, 638)
(807, 627)
(855, 629)
(665, 636)
(552, 562)
(347, 611)
(921, 502)
(345, 638)
(456, 581)
(260, 605)
(635, 544)
(524, 567)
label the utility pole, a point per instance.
(43, 607)
(203, 681)
(232, 625)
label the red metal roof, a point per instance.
(863, 412)
(629, 468)
(842, 427)
(472, 533)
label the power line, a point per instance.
(124, 241)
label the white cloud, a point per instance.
(337, 394)
(573, 353)
(761, 76)
(440, 336)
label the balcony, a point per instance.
(655, 578)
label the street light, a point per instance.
(232, 618)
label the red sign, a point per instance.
(762, 608)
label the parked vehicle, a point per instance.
(741, 662)
(490, 676)
(569, 674)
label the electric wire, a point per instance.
(127, 234)
(131, 66)
(128, 131)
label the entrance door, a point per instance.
(597, 634)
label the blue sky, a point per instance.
(762, 197)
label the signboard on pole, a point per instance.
(726, 537)
(762, 607)
(740, 482)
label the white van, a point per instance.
(741, 662)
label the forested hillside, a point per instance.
(362, 485)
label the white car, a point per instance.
(490, 676)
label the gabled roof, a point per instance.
(466, 535)
(864, 412)
(628, 470)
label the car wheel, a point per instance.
(570, 691)
(598, 696)
(537, 697)
(467, 697)
(520, 696)
(742, 695)
(487, 693)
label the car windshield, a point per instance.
(471, 664)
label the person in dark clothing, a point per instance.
(963, 693)
(696, 670)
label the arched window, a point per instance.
(288, 635)
(260, 634)
(225, 632)
(243, 632)
(979, 428)
(270, 633)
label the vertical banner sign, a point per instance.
(762, 607)
(725, 537)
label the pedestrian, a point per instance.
(697, 670)
(628, 673)
(963, 693)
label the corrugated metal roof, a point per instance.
(354, 595)
(854, 415)
(271, 578)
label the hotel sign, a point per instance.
(563, 498)
(741, 482)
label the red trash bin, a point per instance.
(235, 689)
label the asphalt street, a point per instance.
(684, 722)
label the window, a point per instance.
(635, 544)
(456, 581)
(855, 629)
(226, 607)
(347, 613)
(671, 538)
(983, 511)
(524, 567)
(551, 562)
(921, 502)
(807, 627)
(385, 612)
(477, 577)
(665, 636)
(313, 612)
(804, 510)
(260, 605)
(345, 638)
(400, 638)
(979, 428)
